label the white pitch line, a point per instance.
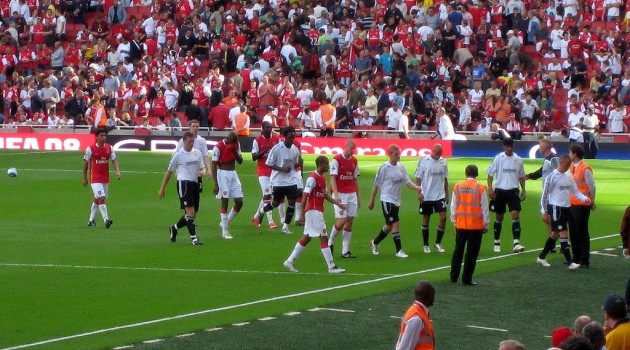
(213, 329)
(396, 317)
(123, 347)
(605, 254)
(152, 341)
(240, 324)
(292, 313)
(488, 328)
(609, 249)
(263, 301)
(267, 319)
(185, 335)
(314, 309)
(176, 269)
(336, 310)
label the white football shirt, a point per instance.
(281, 156)
(390, 179)
(186, 164)
(432, 174)
(506, 171)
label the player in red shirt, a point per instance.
(225, 155)
(344, 186)
(96, 160)
(312, 215)
(260, 150)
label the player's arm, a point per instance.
(237, 153)
(521, 180)
(356, 179)
(446, 189)
(413, 186)
(590, 183)
(257, 153)
(373, 196)
(535, 175)
(213, 169)
(116, 168)
(165, 181)
(86, 166)
(333, 186)
(305, 197)
(206, 162)
(419, 184)
(335, 201)
(490, 188)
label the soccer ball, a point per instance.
(12, 172)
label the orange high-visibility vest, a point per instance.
(240, 122)
(468, 213)
(103, 121)
(580, 181)
(425, 341)
(327, 112)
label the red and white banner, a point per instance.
(46, 142)
(374, 147)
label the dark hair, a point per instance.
(576, 343)
(472, 170)
(578, 150)
(321, 160)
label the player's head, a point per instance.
(322, 164)
(193, 125)
(472, 171)
(393, 151)
(545, 146)
(232, 137)
(189, 140)
(424, 292)
(564, 163)
(101, 135)
(436, 152)
(289, 135)
(266, 129)
(576, 152)
(350, 147)
(508, 146)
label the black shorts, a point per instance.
(504, 198)
(188, 194)
(430, 207)
(280, 192)
(390, 212)
(559, 217)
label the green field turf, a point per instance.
(73, 287)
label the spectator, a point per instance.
(594, 332)
(616, 324)
(511, 345)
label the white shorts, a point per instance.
(229, 184)
(314, 224)
(100, 190)
(350, 200)
(265, 185)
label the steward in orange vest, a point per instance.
(416, 329)
(241, 122)
(328, 114)
(470, 214)
(580, 211)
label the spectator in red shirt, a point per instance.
(219, 117)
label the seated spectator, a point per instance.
(616, 324)
(594, 332)
(559, 335)
(483, 128)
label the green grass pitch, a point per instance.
(69, 286)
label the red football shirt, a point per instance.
(346, 171)
(99, 158)
(316, 190)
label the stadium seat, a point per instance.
(141, 131)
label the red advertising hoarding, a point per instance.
(373, 147)
(46, 142)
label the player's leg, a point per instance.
(100, 193)
(426, 210)
(514, 205)
(310, 230)
(340, 216)
(386, 207)
(499, 209)
(190, 225)
(441, 210)
(93, 211)
(352, 208)
(550, 244)
(397, 240)
(225, 223)
(298, 203)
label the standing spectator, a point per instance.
(117, 14)
(50, 96)
(344, 184)
(617, 326)
(390, 178)
(590, 124)
(171, 97)
(328, 114)
(555, 208)
(219, 117)
(393, 116)
(416, 329)
(225, 155)
(403, 123)
(57, 58)
(432, 177)
(189, 166)
(580, 211)
(96, 162)
(471, 216)
(507, 168)
(616, 118)
(312, 216)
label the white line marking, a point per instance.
(605, 254)
(336, 310)
(292, 313)
(267, 300)
(266, 319)
(547, 336)
(240, 324)
(123, 347)
(609, 249)
(152, 341)
(396, 317)
(488, 328)
(314, 309)
(176, 269)
(184, 335)
(213, 329)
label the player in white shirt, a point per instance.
(555, 208)
(200, 144)
(283, 159)
(189, 165)
(432, 178)
(390, 179)
(507, 168)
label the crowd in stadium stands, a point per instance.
(493, 66)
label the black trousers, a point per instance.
(471, 239)
(579, 235)
(590, 145)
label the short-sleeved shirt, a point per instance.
(432, 173)
(506, 171)
(261, 143)
(282, 157)
(316, 190)
(390, 179)
(186, 164)
(346, 170)
(200, 144)
(223, 152)
(99, 158)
